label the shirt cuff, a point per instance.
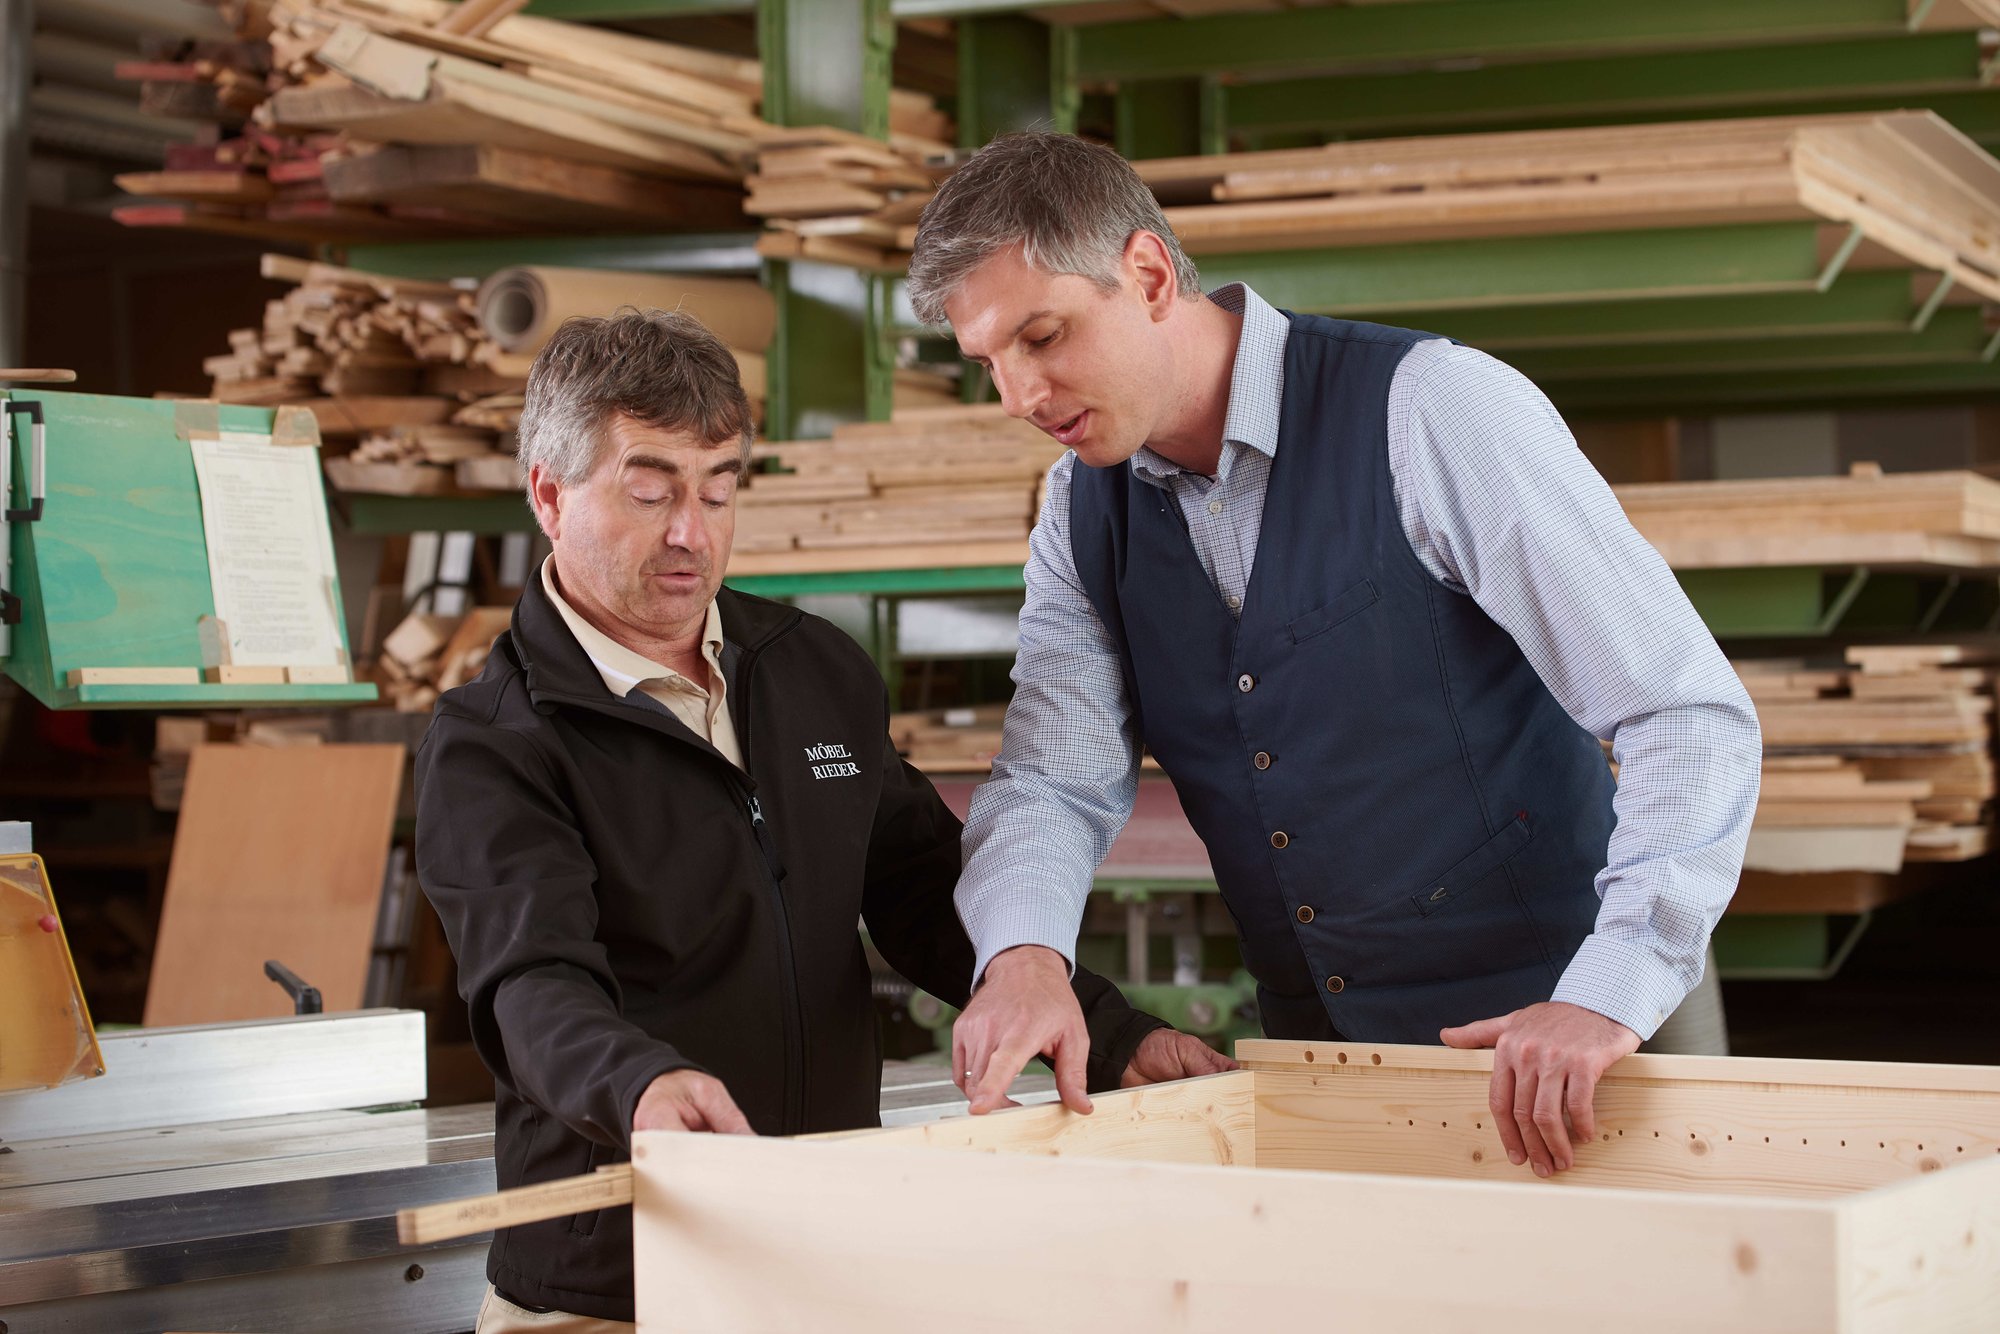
(1625, 982)
(1022, 923)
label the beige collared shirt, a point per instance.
(704, 710)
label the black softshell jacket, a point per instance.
(623, 902)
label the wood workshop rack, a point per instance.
(1357, 1180)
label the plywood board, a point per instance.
(279, 855)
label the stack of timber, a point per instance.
(1936, 519)
(1885, 758)
(379, 119)
(949, 741)
(426, 655)
(1911, 184)
(414, 391)
(948, 486)
(842, 198)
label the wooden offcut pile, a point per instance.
(947, 486)
(1865, 518)
(1885, 758)
(396, 372)
(427, 655)
(351, 120)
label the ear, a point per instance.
(1151, 269)
(545, 499)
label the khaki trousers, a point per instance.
(497, 1315)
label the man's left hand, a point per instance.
(1547, 1060)
(1167, 1053)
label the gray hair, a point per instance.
(662, 367)
(1070, 205)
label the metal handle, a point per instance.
(305, 997)
(37, 462)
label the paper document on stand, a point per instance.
(270, 551)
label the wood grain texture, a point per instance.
(279, 855)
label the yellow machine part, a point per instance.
(46, 1037)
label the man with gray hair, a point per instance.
(1358, 592)
(652, 823)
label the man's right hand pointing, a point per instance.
(1024, 1009)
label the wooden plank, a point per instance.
(279, 854)
(1191, 1121)
(1925, 1255)
(1125, 1247)
(527, 187)
(133, 676)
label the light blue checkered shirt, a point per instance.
(1499, 505)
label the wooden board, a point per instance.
(46, 1037)
(279, 854)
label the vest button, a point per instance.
(1336, 985)
(1305, 914)
(1246, 683)
(1262, 759)
(1280, 839)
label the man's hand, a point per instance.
(1547, 1060)
(689, 1100)
(1024, 1009)
(1167, 1053)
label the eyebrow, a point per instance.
(1026, 320)
(732, 464)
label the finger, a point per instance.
(959, 1062)
(990, 1082)
(974, 1060)
(1526, 1087)
(1549, 1118)
(1484, 1033)
(1581, 1099)
(1072, 1055)
(719, 1112)
(1500, 1101)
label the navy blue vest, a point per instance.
(1404, 823)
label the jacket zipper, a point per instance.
(794, 1009)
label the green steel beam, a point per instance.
(1822, 389)
(1958, 335)
(1158, 118)
(1596, 266)
(1065, 83)
(1004, 74)
(884, 583)
(1658, 86)
(1351, 37)
(1857, 303)
(826, 62)
(382, 515)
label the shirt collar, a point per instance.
(621, 668)
(1256, 382)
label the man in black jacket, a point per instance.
(651, 824)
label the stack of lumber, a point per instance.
(841, 198)
(949, 741)
(427, 655)
(946, 486)
(1911, 184)
(1865, 518)
(377, 119)
(1885, 758)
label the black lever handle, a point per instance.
(305, 997)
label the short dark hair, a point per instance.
(1070, 205)
(661, 367)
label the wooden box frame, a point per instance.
(1355, 1187)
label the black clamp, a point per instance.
(37, 463)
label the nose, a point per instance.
(685, 528)
(1022, 391)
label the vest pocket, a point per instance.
(1345, 604)
(1449, 889)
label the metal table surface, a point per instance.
(281, 1222)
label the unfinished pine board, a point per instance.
(527, 188)
(279, 854)
(134, 676)
(1380, 1198)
